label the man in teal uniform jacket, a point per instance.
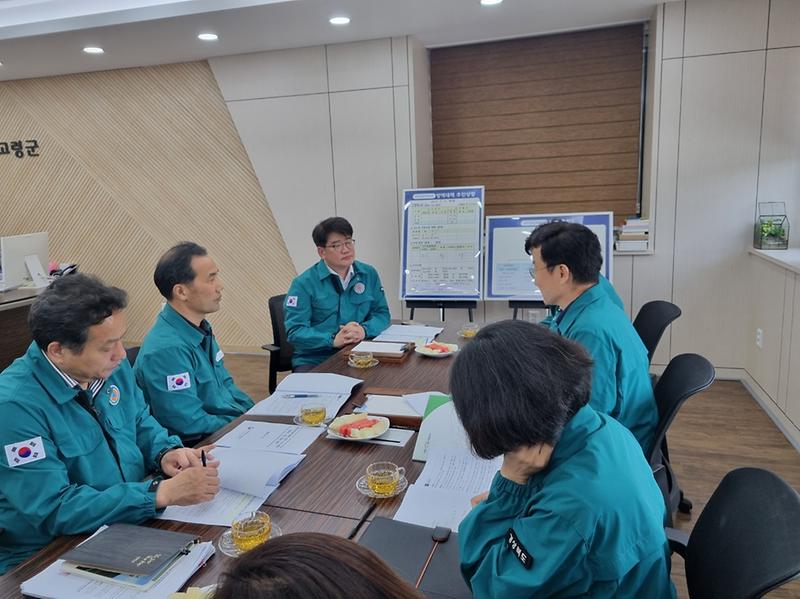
(603, 284)
(567, 261)
(78, 438)
(574, 510)
(335, 302)
(180, 367)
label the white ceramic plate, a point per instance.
(384, 427)
(421, 349)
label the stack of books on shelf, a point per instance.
(634, 235)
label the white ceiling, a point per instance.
(45, 37)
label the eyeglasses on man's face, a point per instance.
(338, 246)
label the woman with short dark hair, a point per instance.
(574, 510)
(309, 565)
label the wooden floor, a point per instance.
(715, 432)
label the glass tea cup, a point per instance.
(469, 330)
(361, 359)
(384, 477)
(250, 530)
(312, 413)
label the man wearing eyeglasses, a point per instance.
(336, 302)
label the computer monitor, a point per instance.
(13, 250)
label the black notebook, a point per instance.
(130, 549)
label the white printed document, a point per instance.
(442, 494)
(404, 333)
(332, 390)
(269, 436)
(441, 428)
(54, 583)
(389, 349)
(220, 511)
(253, 472)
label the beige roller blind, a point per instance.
(547, 124)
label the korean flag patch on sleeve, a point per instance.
(177, 382)
(25, 452)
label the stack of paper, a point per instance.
(403, 333)
(382, 348)
(441, 496)
(253, 459)
(54, 583)
(332, 390)
(411, 404)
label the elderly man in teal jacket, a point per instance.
(567, 261)
(78, 438)
(574, 510)
(336, 302)
(180, 366)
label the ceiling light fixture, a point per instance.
(339, 20)
(208, 37)
(93, 50)
(490, 2)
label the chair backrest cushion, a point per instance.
(651, 322)
(747, 540)
(279, 331)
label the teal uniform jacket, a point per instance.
(591, 523)
(70, 482)
(603, 284)
(621, 385)
(316, 306)
(184, 379)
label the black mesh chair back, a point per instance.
(651, 322)
(132, 352)
(685, 375)
(280, 351)
(747, 540)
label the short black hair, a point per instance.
(517, 383)
(175, 267)
(334, 224)
(571, 244)
(69, 306)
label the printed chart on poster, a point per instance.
(508, 266)
(441, 251)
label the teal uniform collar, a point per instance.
(55, 386)
(564, 318)
(183, 328)
(323, 272)
(572, 440)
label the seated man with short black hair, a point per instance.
(336, 302)
(180, 367)
(567, 260)
(78, 436)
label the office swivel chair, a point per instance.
(651, 322)
(280, 350)
(684, 376)
(746, 541)
(132, 352)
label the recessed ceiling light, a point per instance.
(340, 20)
(1, 64)
(208, 37)
(490, 2)
(93, 50)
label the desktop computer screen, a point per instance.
(14, 272)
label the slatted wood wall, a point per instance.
(133, 161)
(547, 124)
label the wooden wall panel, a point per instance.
(546, 124)
(133, 161)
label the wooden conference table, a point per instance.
(320, 494)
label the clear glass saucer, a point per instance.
(322, 424)
(373, 362)
(229, 548)
(363, 488)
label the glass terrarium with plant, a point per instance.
(771, 230)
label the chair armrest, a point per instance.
(271, 348)
(678, 540)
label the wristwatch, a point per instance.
(153, 488)
(161, 455)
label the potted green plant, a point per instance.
(772, 227)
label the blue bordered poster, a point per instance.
(508, 266)
(442, 244)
